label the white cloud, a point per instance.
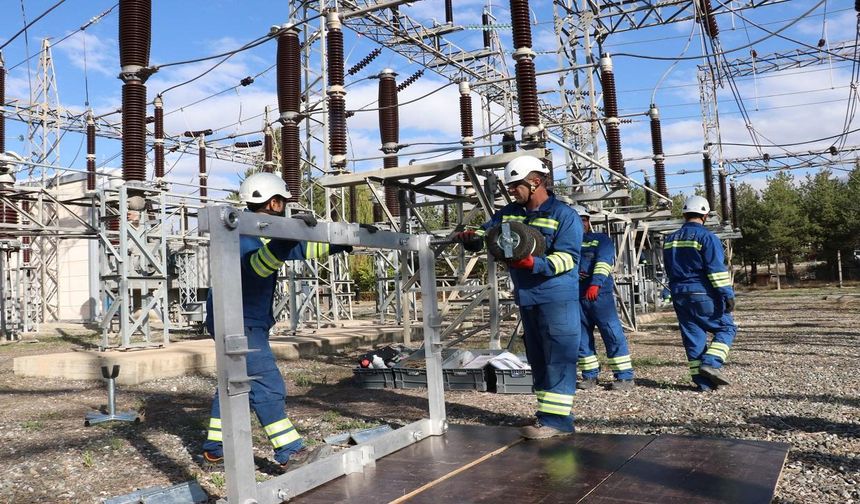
(87, 51)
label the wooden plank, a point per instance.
(410, 468)
(679, 469)
(558, 470)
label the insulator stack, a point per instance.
(268, 150)
(449, 11)
(158, 141)
(485, 22)
(9, 216)
(649, 198)
(353, 204)
(525, 69)
(446, 216)
(26, 240)
(857, 5)
(290, 160)
(467, 130)
(657, 149)
(509, 142)
(377, 212)
(2, 103)
(389, 128)
(706, 17)
(201, 163)
(91, 151)
(289, 100)
(135, 24)
(707, 169)
(734, 193)
(113, 225)
(336, 92)
(410, 80)
(724, 197)
(364, 61)
(610, 107)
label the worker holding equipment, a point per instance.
(597, 301)
(702, 294)
(262, 258)
(546, 290)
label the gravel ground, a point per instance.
(791, 369)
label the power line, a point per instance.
(31, 23)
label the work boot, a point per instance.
(586, 384)
(306, 456)
(212, 462)
(713, 374)
(626, 384)
(539, 431)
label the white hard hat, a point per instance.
(696, 205)
(581, 211)
(517, 169)
(260, 187)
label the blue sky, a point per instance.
(788, 107)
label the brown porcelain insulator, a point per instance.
(392, 197)
(337, 125)
(2, 103)
(334, 46)
(724, 196)
(466, 126)
(353, 204)
(610, 98)
(613, 146)
(133, 131)
(657, 149)
(201, 164)
(377, 212)
(364, 61)
(520, 20)
(706, 17)
(527, 92)
(158, 146)
(449, 11)
(485, 22)
(707, 169)
(291, 160)
(734, 194)
(135, 28)
(289, 72)
(389, 120)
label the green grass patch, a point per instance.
(217, 479)
(87, 458)
(32, 425)
(648, 361)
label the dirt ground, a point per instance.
(793, 369)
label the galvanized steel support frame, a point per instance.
(225, 225)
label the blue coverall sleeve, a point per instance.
(564, 254)
(495, 220)
(604, 261)
(714, 263)
(265, 258)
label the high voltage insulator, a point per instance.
(610, 106)
(389, 128)
(449, 12)
(724, 197)
(2, 103)
(158, 141)
(734, 194)
(91, 151)
(467, 130)
(289, 100)
(527, 92)
(648, 196)
(411, 79)
(520, 21)
(268, 150)
(247, 145)
(135, 27)
(509, 142)
(26, 240)
(353, 204)
(707, 169)
(336, 92)
(197, 133)
(485, 26)
(365, 61)
(705, 16)
(857, 5)
(201, 163)
(290, 160)
(377, 212)
(657, 149)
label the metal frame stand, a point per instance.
(94, 417)
(225, 225)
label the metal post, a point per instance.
(778, 286)
(3, 330)
(839, 264)
(432, 340)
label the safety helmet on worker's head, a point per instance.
(517, 169)
(261, 187)
(696, 205)
(581, 211)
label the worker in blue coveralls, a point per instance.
(546, 290)
(702, 294)
(261, 260)
(597, 300)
